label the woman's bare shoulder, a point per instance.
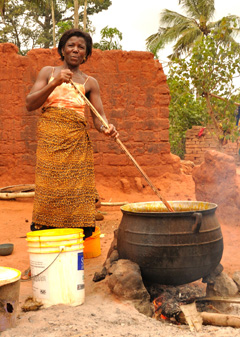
(92, 83)
(45, 72)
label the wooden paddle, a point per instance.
(123, 148)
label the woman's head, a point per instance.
(75, 32)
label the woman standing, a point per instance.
(65, 186)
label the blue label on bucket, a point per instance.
(80, 261)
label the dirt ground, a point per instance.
(102, 314)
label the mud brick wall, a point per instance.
(135, 96)
(196, 146)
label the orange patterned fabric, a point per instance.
(65, 183)
(65, 96)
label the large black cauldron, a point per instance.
(171, 248)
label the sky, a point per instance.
(138, 19)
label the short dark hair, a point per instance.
(75, 32)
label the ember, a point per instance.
(161, 307)
(192, 304)
(167, 304)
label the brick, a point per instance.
(115, 160)
(158, 148)
(163, 135)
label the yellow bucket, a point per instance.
(92, 246)
(57, 267)
(9, 297)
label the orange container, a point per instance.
(92, 247)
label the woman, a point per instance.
(65, 187)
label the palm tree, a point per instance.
(186, 30)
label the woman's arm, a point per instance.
(93, 94)
(42, 88)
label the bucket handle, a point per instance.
(196, 226)
(32, 277)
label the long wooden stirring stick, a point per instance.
(123, 148)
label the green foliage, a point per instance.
(185, 110)
(28, 24)
(110, 39)
(13, 25)
(209, 71)
(213, 65)
(93, 6)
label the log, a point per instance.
(220, 319)
(195, 319)
(8, 196)
(18, 188)
(114, 203)
(14, 195)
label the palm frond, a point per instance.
(186, 42)
(198, 8)
(156, 41)
(171, 18)
(188, 29)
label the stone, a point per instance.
(138, 183)
(114, 256)
(99, 216)
(187, 166)
(113, 245)
(125, 184)
(215, 181)
(99, 276)
(107, 264)
(210, 278)
(223, 286)
(125, 281)
(236, 279)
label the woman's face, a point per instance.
(74, 50)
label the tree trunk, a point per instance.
(215, 124)
(76, 16)
(46, 34)
(53, 21)
(85, 16)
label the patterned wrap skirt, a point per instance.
(65, 183)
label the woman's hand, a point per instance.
(111, 131)
(65, 75)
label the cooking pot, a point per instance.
(171, 248)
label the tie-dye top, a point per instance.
(65, 96)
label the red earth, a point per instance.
(15, 220)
